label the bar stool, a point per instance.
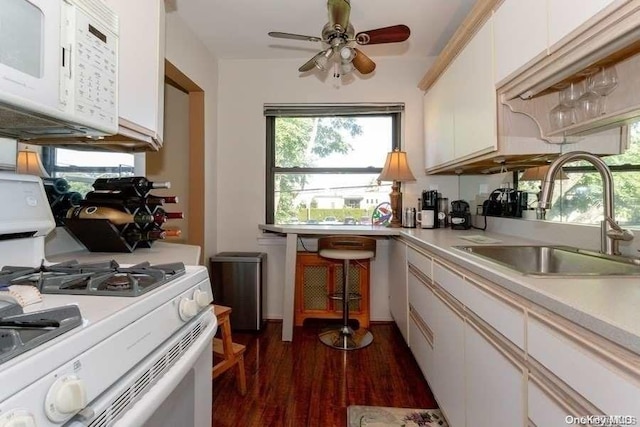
(346, 248)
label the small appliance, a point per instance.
(506, 202)
(429, 213)
(460, 215)
(58, 69)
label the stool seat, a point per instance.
(346, 248)
(346, 254)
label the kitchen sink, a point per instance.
(555, 260)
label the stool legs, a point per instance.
(346, 338)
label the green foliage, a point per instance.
(299, 141)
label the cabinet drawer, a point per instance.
(543, 409)
(450, 282)
(502, 315)
(421, 343)
(590, 374)
(420, 261)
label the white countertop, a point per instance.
(158, 253)
(606, 305)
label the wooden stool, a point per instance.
(232, 353)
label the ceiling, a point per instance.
(237, 29)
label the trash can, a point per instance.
(239, 281)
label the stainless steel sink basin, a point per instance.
(555, 260)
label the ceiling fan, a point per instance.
(340, 37)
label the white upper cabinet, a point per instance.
(520, 34)
(567, 15)
(438, 122)
(475, 96)
(141, 65)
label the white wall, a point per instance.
(189, 55)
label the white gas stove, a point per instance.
(130, 361)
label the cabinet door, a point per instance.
(448, 362)
(475, 116)
(519, 34)
(141, 62)
(567, 15)
(421, 344)
(494, 384)
(543, 409)
(438, 121)
(398, 304)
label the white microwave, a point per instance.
(58, 69)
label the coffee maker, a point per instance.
(460, 215)
(429, 209)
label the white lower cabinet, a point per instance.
(544, 409)
(421, 343)
(398, 286)
(448, 383)
(495, 384)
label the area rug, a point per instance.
(379, 416)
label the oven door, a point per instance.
(171, 387)
(30, 53)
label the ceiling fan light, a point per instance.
(347, 54)
(322, 60)
(346, 68)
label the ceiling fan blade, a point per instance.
(393, 34)
(362, 62)
(339, 12)
(279, 35)
(310, 64)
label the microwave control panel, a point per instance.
(96, 70)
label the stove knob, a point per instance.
(18, 418)
(201, 298)
(187, 309)
(65, 397)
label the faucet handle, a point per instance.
(616, 232)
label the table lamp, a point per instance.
(29, 163)
(396, 169)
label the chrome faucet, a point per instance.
(610, 232)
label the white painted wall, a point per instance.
(189, 55)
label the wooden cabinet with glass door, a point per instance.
(317, 278)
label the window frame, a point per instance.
(394, 112)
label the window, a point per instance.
(323, 161)
(578, 198)
(82, 168)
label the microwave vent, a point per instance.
(22, 125)
(99, 10)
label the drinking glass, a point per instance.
(562, 115)
(603, 82)
(571, 93)
(589, 106)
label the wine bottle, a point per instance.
(139, 184)
(135, 235)
(114, 215)
(55, 185)
(110, 197)
(161, 216)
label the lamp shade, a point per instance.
(29, 162)
(538, 173)
(396, 168)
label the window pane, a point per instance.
(336, 142)
(327, 198)
(82, 168)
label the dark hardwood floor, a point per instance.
(305, 383)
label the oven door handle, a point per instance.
(144, 408)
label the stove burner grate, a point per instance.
(104, 278)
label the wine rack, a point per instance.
(60, 198)
(121, 215)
